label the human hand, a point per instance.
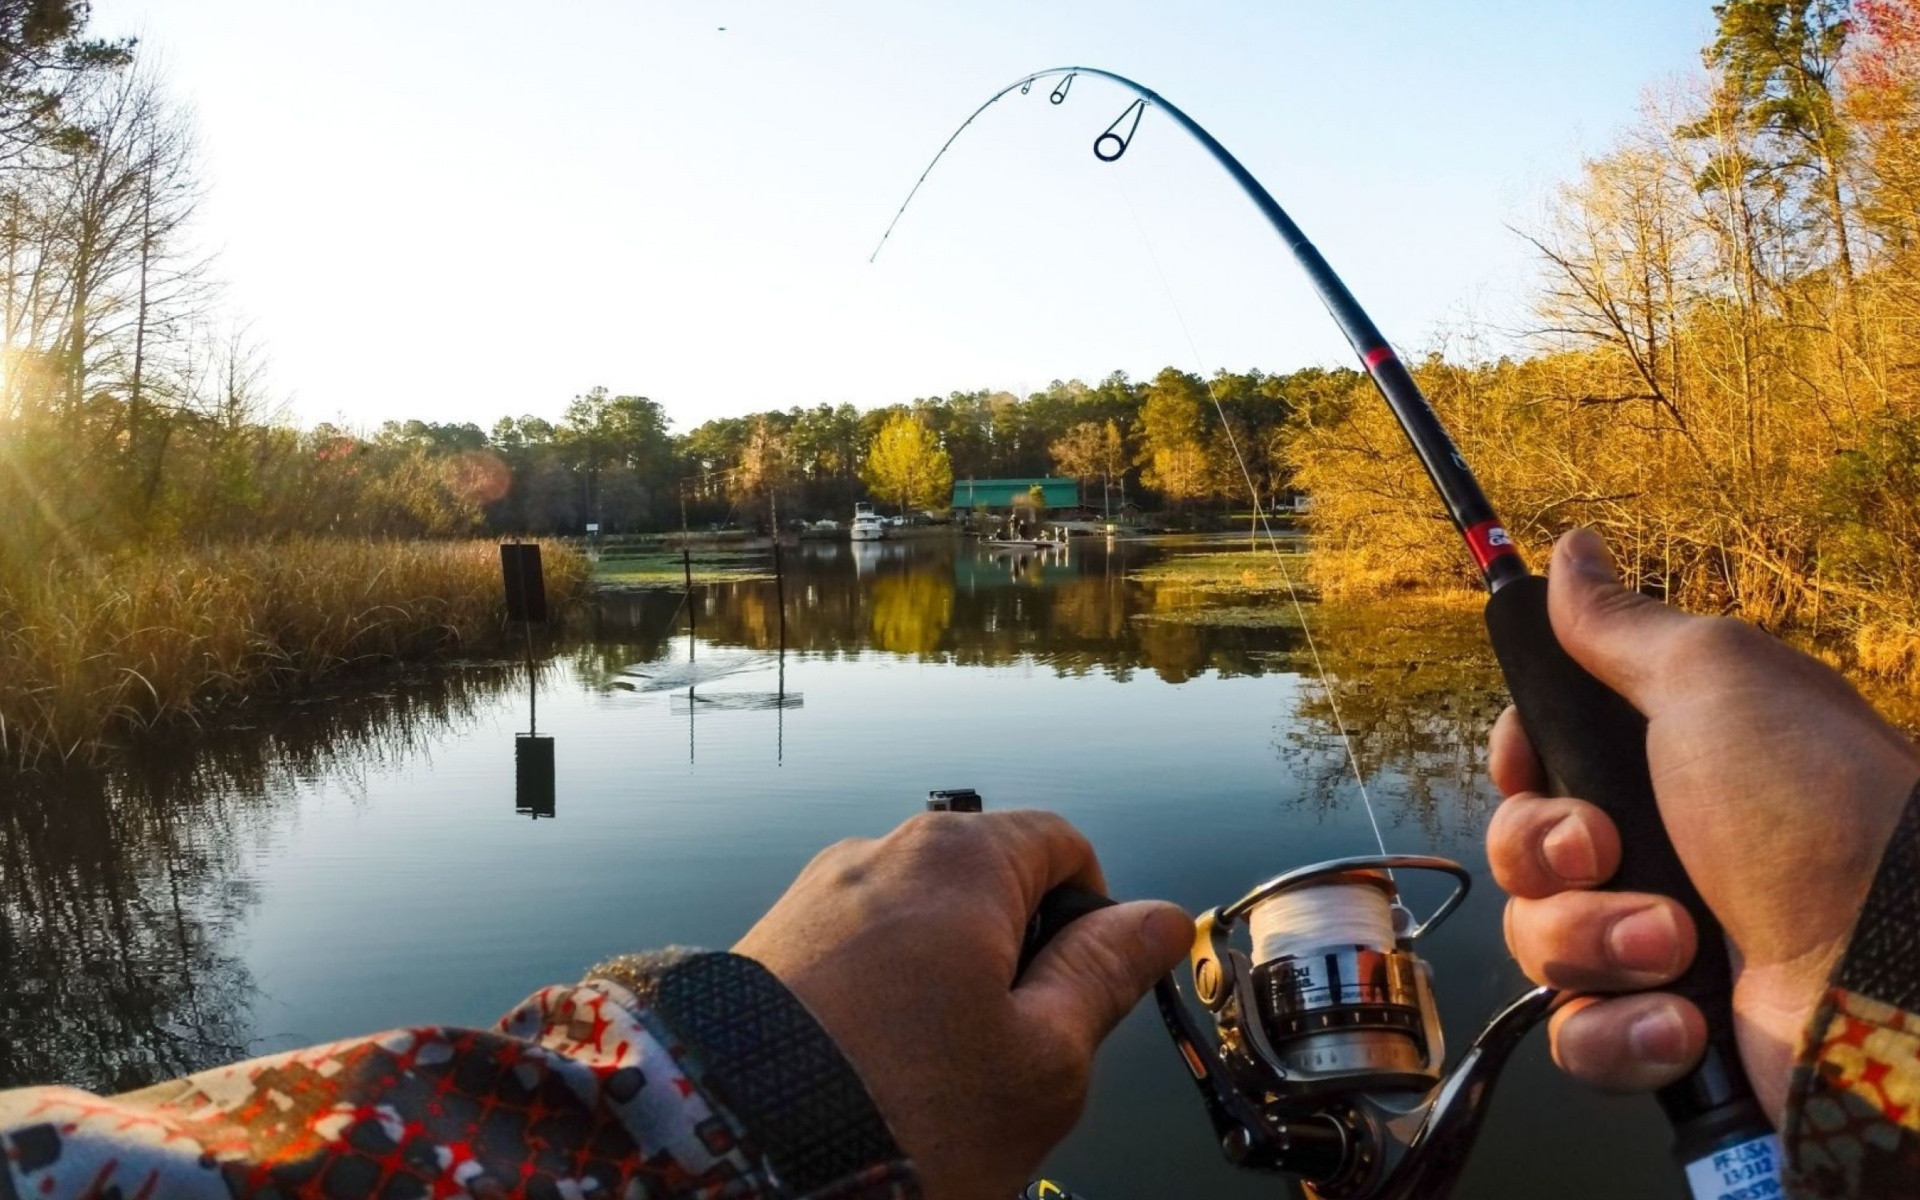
(905, 950)
(1779, 786)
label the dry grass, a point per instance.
(1890, 650)
(116, 644)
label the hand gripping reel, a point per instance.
(1326, 1056)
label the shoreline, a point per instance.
(102, 651)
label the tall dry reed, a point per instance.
(105, 646)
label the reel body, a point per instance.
(1325, 1059)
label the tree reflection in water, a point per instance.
(944, 602)
(121, 891)
(1418, 690)
(1415, 682)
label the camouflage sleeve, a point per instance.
(673, 1075)
(1853, 1114)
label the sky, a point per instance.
(458, 210)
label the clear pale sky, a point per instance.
(462, 209)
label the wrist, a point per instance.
(763, 1056)
(1859, 1063)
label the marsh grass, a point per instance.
(101, 647)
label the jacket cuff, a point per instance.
(1853, 1110)
(756, 1050)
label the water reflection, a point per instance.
(1416, 691)
(1075, 610)
(122, 893)
(125, 896)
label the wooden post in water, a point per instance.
(686, 561)
(779, 581)
(526, 595)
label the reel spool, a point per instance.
(1326, 1059)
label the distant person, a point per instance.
(862, 1040)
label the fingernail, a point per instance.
(1659, 1038)
(1586, 553)
(1166, 932)
(1568, 849)
(1646, 941)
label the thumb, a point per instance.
(1620, 636)
(1094, 972)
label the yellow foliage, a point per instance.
(1720, 392)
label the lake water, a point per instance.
(364, 861)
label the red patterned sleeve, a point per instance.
(678, 1075)
(1853, 1115)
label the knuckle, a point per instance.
(935, 830)
(1709, 642)
(1507, 854)
(1549, 938)
(845, 863)
(1525, 942)
(1035, 825)
(1599, 941)
(1098, 960)
(1603, 608)
(941, 826)
(1594, 1041)
(1520, 840)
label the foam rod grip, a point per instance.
(1058, 909)
(1594, 746)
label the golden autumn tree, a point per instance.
(906, 464)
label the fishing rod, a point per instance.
(1324, 1058)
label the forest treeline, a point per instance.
(1728, 381)
(1721, 373)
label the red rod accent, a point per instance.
(1488, 540)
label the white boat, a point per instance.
(867, 525)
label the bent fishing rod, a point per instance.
(1324, 1059)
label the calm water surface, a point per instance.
(364, 862)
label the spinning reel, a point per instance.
(1326, 1057)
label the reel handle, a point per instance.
(1594, 746)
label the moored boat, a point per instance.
(1024, 543)
(867, 525)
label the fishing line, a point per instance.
(1308, 919)
(1260, 514)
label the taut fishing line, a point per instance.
(1260, 513)
(1320, 1053)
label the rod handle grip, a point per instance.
(1593, 744)
(1058, 909)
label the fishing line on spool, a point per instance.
(1307, 919)
(1260, 514)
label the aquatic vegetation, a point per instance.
(667, 570)
(1249, 572)
(98, 647)
(1239, 616)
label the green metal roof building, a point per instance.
(969, 494)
